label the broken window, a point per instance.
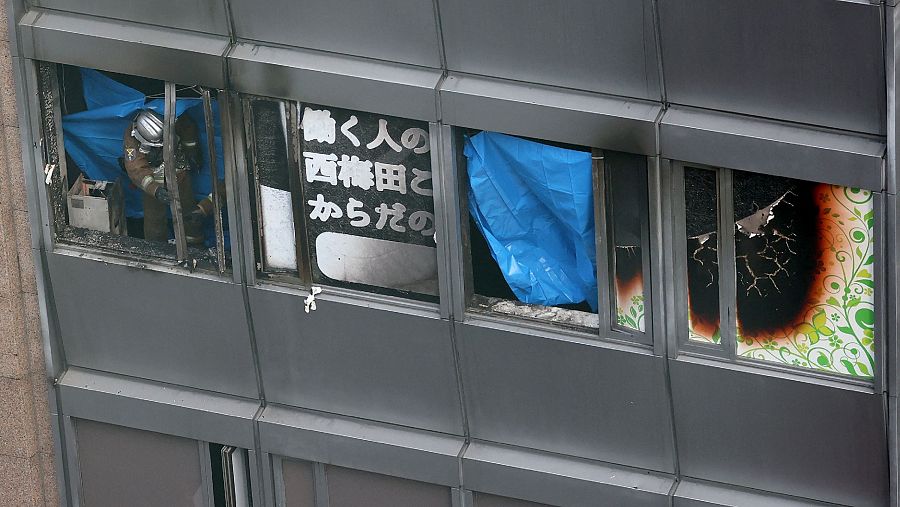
(801, 258)
(349, 191)
(542, 218)
(128, 163)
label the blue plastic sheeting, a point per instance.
(93, 138)
(534, 205)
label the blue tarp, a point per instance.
(534, 205)
(93, 138)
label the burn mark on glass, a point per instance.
(701, 227)
(776, 251)
(627, 208)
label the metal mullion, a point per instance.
(321, 484)
(727, 268)
(171, 174)
(458, 176)
(654, 281)
(256, 220)
(214, 178)
(278, 480)
(675, 259)
(206, 478)
(301, 239)
(443, 194)
(605, 266)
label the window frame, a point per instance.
(303, 279)
(607, 329)
(725, 352)
(53, 159)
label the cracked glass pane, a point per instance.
(701, 226)
(627, 208)
(804, 255)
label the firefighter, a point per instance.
(143, 161)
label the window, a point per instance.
(556, 233)
(779, 271)
(343, 198)
(299, 483)
(125, 466)
(109, 184)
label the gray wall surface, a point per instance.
(436, 393)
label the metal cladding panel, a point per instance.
(809, 61)
(698, 494)
(579, 398)
(335, 80)
(356, 360)
(364, 445)
(786, 436)
(198, 15)
(396, 30)
(770, 147)
(183, 57)
(162, 408)
(550, 113)
(559, 480)
(171, 328)
(606, 47)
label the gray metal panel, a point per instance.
(397, 30)
(558, 480)
(364, 445)
(199, 15)
(892, 71)
(158, 407)
(699, 494)
(123, 466)
(355, 488)
(809, 61)
(572, 396)
(550, 113)
(334, 80)
(183, 57)
(485, 500)
(173, 328)
(357, 359)
(769, 147)
(606, 47)
(789, 436)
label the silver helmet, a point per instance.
(148, 129)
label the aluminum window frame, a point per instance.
(725, 352)
(607, 329)
(303, 280)
(53, 159)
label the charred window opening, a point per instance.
(109, 184)
(344, 198)
(803, 256)
(542, 217)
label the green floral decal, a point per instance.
(837, 333)
(631, 314)
(698, 337)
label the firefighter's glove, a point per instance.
(162, 195)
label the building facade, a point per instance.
(450, 253)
